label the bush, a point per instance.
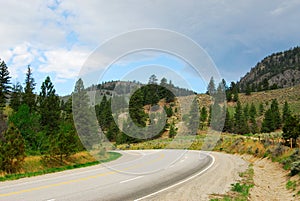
(295, 168)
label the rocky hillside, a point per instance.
(279, 70)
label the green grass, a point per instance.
(111, 156)
(239, 191)
(291, 185)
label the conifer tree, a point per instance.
(85, 124)
(261, 109)
(211, 88)
(228, 125)
(4, 85)
(252, 116)
(16, 96)
(240, 124)
(193, 123)
(49, 110)
(268, 124)
(136, 109)
(276, 114)
(291, 128)
(286, 112)
(203, 117)
(29, 97)
(12, 150)
(172, 131)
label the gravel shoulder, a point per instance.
(216, 180)
(269, 181)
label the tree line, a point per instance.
(33, 124)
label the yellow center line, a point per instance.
(79, 180)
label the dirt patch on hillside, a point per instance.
(269, 181)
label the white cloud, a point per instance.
(37, 30)
(65, 64)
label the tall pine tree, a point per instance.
(4, 85)
(85, 123)
(16, 96)
(49, 109)
(29, 96)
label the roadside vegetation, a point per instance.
(239, 191)
(37, 165)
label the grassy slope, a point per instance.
(291, 95)
(36, 165)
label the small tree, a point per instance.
(203, 117)
(261, 109)
(211, 88)
(12, 150)
(291, 128)
(172, 131)
(228, 125)
(240, 124)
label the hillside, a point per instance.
(278, 70)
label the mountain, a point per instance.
(279, 70)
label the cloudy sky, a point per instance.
(56, 36)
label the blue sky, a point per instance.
(56, 37)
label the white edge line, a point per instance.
(128, 180)
(181, 182)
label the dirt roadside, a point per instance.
(269, 178)
(269, 181)
(217, 180)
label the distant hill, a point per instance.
(279, 70)
(115, 88)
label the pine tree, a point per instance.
(286, 112)
(28, 96)
(235, 96)
(152, 79)
(220, 96)
(49, 110)
(246, 112)
(16, 96)
(85, 123)
(217, 117)
(268, 124)
(252, 112)
(252, 115)
(49, 107)
(228, 125)
(276, 114)
(4, 84)
(203, 117)
(248, 90)
(193, 122)
(12, 150)
(240, 124)
(211, 88)
(136, 109)
(261, 109)
(291, 128)
(28, 124)
(172, 131)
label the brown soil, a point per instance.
(269, 181)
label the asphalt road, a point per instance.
(137, 175)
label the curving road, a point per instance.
(137, 175)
